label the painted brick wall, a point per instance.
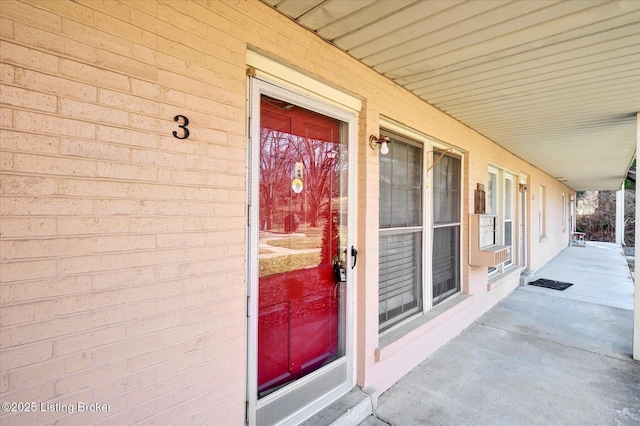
(122, 247)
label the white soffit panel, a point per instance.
(546, 79)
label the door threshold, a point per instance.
(351, 409)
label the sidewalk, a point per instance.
(540, 357)
(599, 271)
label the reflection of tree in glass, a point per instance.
(279, 153)
(319, 159)
(330, 239)
(275, 173)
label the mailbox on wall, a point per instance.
(483, 250)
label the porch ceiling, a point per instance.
(555, 82)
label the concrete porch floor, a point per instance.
(599, 272)
(540, 357)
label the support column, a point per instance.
(636, 293)
(620, 215)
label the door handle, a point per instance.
(354, 254)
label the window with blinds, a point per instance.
(446, 225)
(500, 202)
(400, 256)
(400, 272)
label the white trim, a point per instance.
(503, 175)
(271, 70)
(421, 144)
(401, 129)
(435, 144)
(523, 222)
(542, 212)
(620, 228)
(428, 141)
(494, 209)
(299, 384)
(512, 213)
(428, 145)
(563, 209)
(252, 274)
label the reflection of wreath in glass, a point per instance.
(297, 185)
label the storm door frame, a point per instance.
(268, 410)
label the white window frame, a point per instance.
(493, 208)
(523, 220)
(564, 212)
(428, 146)
(511, 208)
(404, 230)
(542, 212)
(493, 194)
(499, 209)
(437, 146)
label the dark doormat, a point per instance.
(555, 285)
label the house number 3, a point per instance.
(183, 126)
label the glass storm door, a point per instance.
(301, 256)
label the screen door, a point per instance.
(302, 256)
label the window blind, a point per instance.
(399, 263)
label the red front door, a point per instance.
(301, 222)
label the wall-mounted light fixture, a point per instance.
(380, 141)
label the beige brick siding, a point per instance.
(122, 247)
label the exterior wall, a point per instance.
(557, 238)
(123, 247)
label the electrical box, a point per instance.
(483, 250)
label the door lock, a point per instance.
(339, 271)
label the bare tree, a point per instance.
(280, 152)
(596, 216)
(275, 173)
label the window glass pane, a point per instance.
(508, 238)
(400, 165)
(414, 185)
(385, 205)
(400, 255)
(401, 186)
(446, 239)
(385, 169)
(508, 199)
(400, 277)
(414, 207)
(385, 191)
(414, 165)
(446, 262)
(492, 190)
(303, 202)
(399, 206)
(446, 189)
(508, 232)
